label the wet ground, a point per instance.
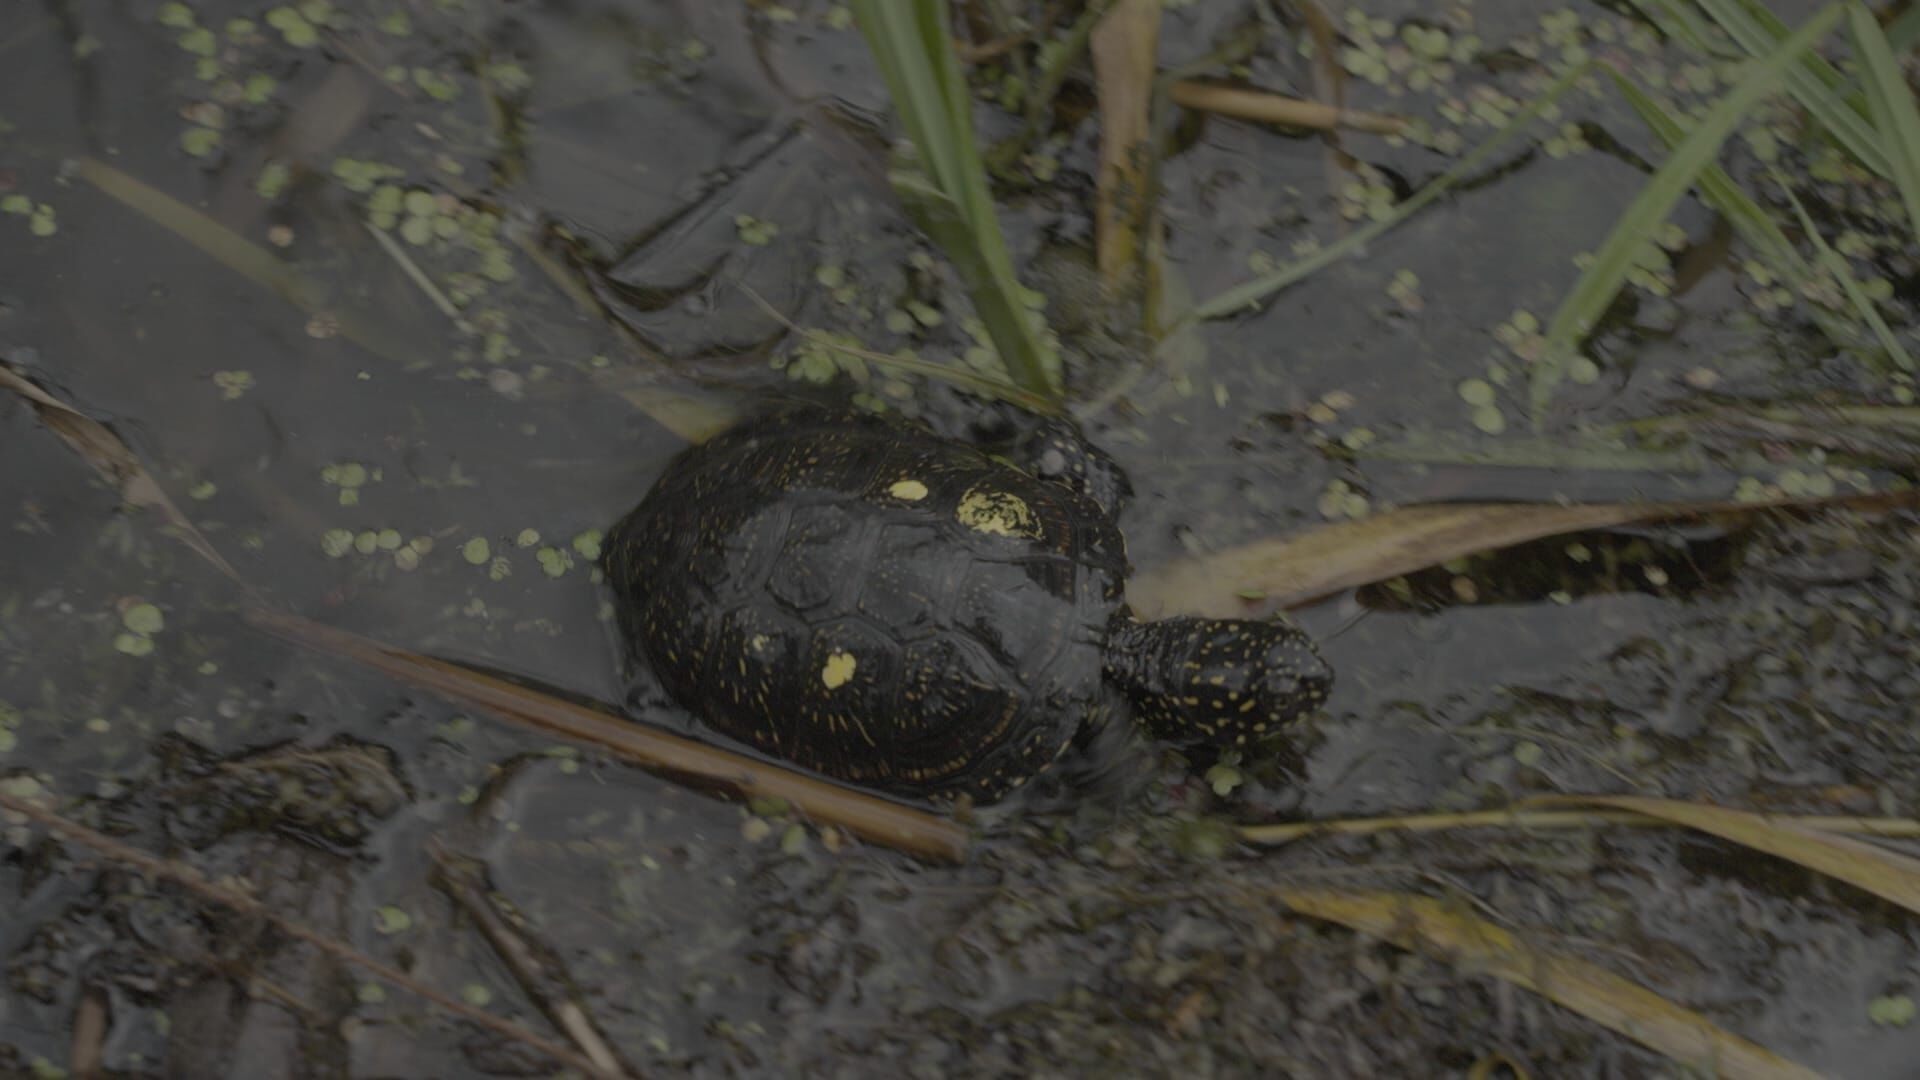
(434, 478)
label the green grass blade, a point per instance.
(1903, 33)
(1891, 102)
(1836, 265)
(1676, 19)
(1754, 224)
(1594, 292)
(1248, 293)
(1812, 81)
(911, 44)
(894, 36)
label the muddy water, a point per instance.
(429, 468)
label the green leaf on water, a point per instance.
(1810, 79)
(1594, 292)
(1890, 101)
(1754, 224)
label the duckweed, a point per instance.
(233, 384)
(753, 231)
(294, 27)
(554, 561)
(143, 618)
(336, 542)
(200, 141)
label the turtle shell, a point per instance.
(871, 601)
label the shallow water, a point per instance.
(1094, 929)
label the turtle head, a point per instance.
(1218, 681)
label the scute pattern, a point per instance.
(961, 660)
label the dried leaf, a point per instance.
(879, 820)
(1886, 874)
(1268, 108)
(99, 447)
(1430, 926)
(1290, 571)
(1125, 44)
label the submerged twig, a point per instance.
(244, 257)
(533, 971)
(418, 277)
(195, 882)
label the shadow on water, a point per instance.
(447, 493)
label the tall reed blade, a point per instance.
(1597, 286)
(914, 49)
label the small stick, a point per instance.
(1276, 109)
(533, 966)
(195, 882)
(419, 277)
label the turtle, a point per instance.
(905, 612)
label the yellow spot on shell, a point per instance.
(999, 513)
(910, 490)
(838, 670)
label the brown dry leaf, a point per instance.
(1419, 923)
(1886, 874)
(1267, 108)
(99, 447)
(1293, 570)
(882, 821)
(1124, 46)
(1516, 818)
